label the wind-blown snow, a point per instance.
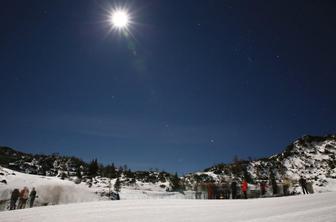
(53, 190)
(50, 190)
(316, 207)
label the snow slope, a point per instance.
(316, 207)
(312, 157)
(53, 190)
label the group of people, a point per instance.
(263, 188)
(23, 197)
(234, 190)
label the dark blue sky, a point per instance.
(199, 81)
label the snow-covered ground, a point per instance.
(315, 207)
(50, 190)
(53, 190)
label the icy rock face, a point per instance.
(310, 156)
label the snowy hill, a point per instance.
(49, 165)
(317, 208)
(72, 168)
(310, 156)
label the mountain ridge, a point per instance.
(310, 156)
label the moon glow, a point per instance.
(119, 19)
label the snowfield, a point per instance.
(316, 207)
(53, 190)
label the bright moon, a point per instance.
(120, 19)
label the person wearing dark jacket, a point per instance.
(234, 189)
(263, 187)
(303, 184)
(32, 197)
(14, 197)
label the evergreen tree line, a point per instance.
(109, 170)
(112, 172)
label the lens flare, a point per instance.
(119, 19)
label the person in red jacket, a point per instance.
(244, 188)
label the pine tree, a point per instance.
(247, 176)
(162, 177)
(109, 171)
(93, 168)
(175, 182)
(117, 185)
(78, 173)
(113, 173)
(129, 174)
(120, 171)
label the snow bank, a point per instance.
(50, 190)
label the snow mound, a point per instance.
(50, 190)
